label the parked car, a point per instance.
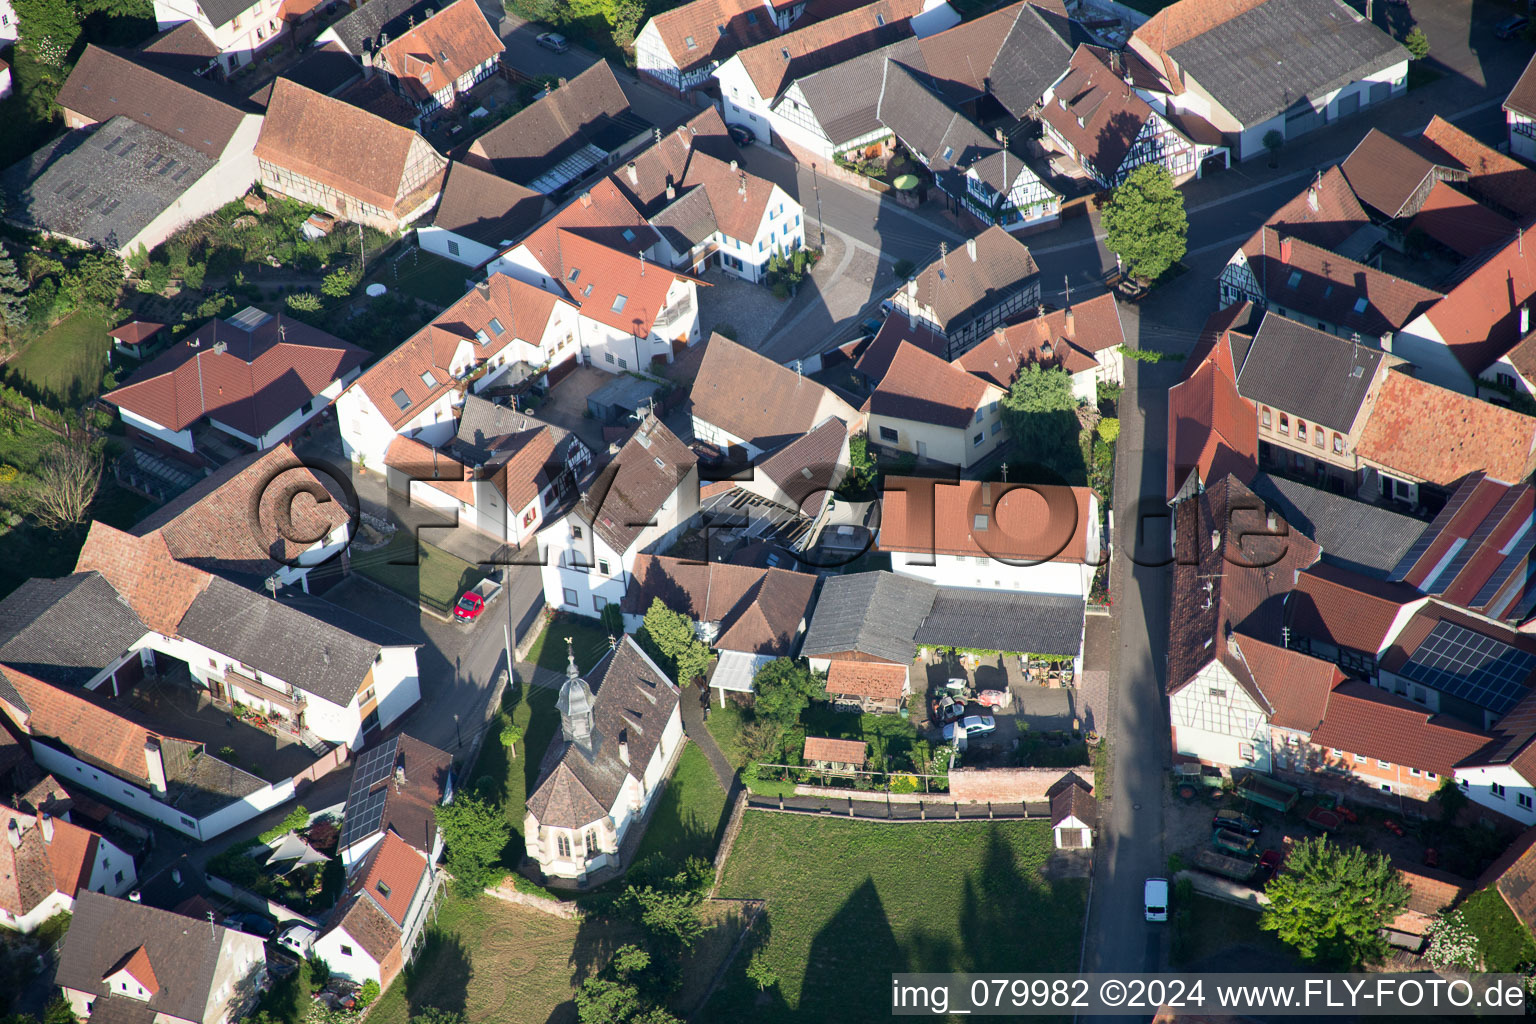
(1236, 821)
(947, 709)
(870, 326)
(259, 925)
(553, 41)
(1155, 897)
(475, 601)
(1509, 28)
(298, 938)
(741, 134)
(1269, 867)
(971, 725)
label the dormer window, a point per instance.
(979, 521)
(690, 43)
(880, 20)
(427, 379)
(949, 153)
(586, 292)
(573, 275)
(383, 888)
(629, 235)
(618, 303)
(1360, 304)
(1294, 281)
(496, 327)
(785, 52)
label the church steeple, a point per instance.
(575, 703)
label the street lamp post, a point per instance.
(816, 188)
(456, 731)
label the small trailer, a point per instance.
(1268, 792)
(1239, 869)
(476, 600)
(1232, 842)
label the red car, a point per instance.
(1269, 867)
(474, 601)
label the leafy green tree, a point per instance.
(511, 736)
(670, 635)
(13, 293)
(1332, 902)
(338, 284)
(861, 469)
(1416, 43)
(368, 993)
(59, 1011)
(433, 1015)
(475, 833)
(784, 688)
(669, 915)
(1273, 141)
(97, 280)
(759, 973)
(50, 28)
(1145, 224)
(1041, 413)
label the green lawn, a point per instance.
(691, 814)
(590, 644)
(725, 725)
(419, 571)
(505, 780)
(848, 903)
(1204, 928)
(1505, 942)
(67, 360)
(427, 276)
(288, 999)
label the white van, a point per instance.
(1155, 895)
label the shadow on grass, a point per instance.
(439, 976)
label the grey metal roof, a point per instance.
(874, 613)
(1269, 57)
(321, 656)
(1365, 538)
(102, 185)
(846, 96)
(688, 221)
(359, 31)
(1001, 620)
(65, 630)
(1313, 375)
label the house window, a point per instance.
(688, 41)
(576, 532)
(1360, 758)
(979, 521)
(1496, 789)
(618, 303)
(1524, 800)
(1383, 764)
(1414, 772)
(1430, 775)
(453, 247)
(591, 842)
(1338, 445)
(1463, 784)
(1337, 752)
(980, 413)
(997, 428)
(623, 364)
(383, 888)
(563, 845)
(1264, 418)
(1317, 437)
(1285, 424)
(607, 357)
(119, 877)
(976, 441)
(1386, 788)
(346, 950)
(1506, 379)
(602, 566)
(889, 434)
(1301, 431)
(1218, 693)
(569, 595)
(599, 603)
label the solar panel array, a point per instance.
(365, 808)
(1472, 667)
(1474, 544)
(1433, 531)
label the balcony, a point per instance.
(293, 702)
(672, 314)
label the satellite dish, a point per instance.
(375, 290)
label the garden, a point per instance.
(848, 903)
(310, 889)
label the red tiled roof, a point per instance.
(1325, 213)
(1215, 341)
(613, 287)
(1459, 222)
(1029, 523)
(159, 588)
(1297, 685)
(451, 43)
(897, 330)
(425, 464)
(360, 155)
(1425, 433)
(1070, 338)
(251, 380)
(757, 610)
(842, 751)
(38, 867)
(1490, 174)
(137, 964)
(83, 727)
(137, 331)
(1522, 98)
(758, 400)
(711, 30)
(1345, 609)
(1514, 873)
(603, 214)
(866, 679)
(1212, 430)
(393, 872)
(1479, 319)
(1363, 719)
(1096, 111)
(923, 388)
(1385, 173)
(773, 64)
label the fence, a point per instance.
(881, 807)
(323, 766)
(243, 896)
(811, 770)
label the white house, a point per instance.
(680, 48)
(478, 215)
(965, 295)
(10, 28)
(437, 61)
(1084, 339)
(1248, 71)
(1036, 539)
(376, 928)
(603, 772)
(1074, 813)
(417, 390)
(935, 410)
(254, 376)
(48, 860)
(747, 405)
(1519, 114)
(640, 499)
(239, 28)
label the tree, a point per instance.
(50, 28)
(1041, 413)
(614, 996)
(1451, 800)
(669, 915)
(671, 635)
(97, 280)
(475, 834)
(432, 1015)
(511, 736)
(338, 284)
(1144, 222)
(861, 470)
(367, 994)
(784, 688)
(1416, 43)
(59, 1011)
(69, 475)
(1332, 902)
(13, 293)
(1273, 140)
(760, 973)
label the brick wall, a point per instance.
(1007, 785)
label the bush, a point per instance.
(297, 819)
(904, 269)
(1416, 43)
(338, 284)
(1109, 430)
(367, 994)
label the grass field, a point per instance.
(590, 644)
(504, 780)
(725, 725)
(850, 902)
(425, 275)
(1505, 942)
(500, 964)
(419, 571)
(67, 360)
(688, 819)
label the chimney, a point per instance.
(1215, 541)
(154, 766)
(135, 897)
(733, 166)
(13, 833)
(624, 747)
(671, 192)
(741, 187)
(634, 174)
(1312, 198)
(1285, 251)
(562, 84)
(1069, 323)
(1386, 342)
(367, 63)
(586, 200)
(970, 249)
(484, 288)
(45, 822)
(1525, 320)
